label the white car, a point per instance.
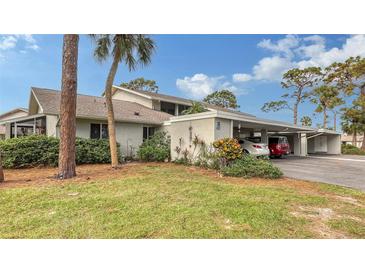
(253, 146)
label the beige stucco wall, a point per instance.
(225, 129)
(334, 144)
(203, 128)
(129, 135)
(51, 124)
(120, 95)
(7, 130)
(156, 105)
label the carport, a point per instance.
(216, 124)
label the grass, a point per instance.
(172, 201)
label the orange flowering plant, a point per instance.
(228, 148)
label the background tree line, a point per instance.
(337, 89)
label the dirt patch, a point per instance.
(319, 218)
(85, 173)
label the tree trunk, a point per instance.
(2, 178)
(334, 120)
(295, 112)
(111, 123)
(67, 153)
(324, 117)
(354, 137)
(363, 110)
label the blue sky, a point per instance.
(183, 65)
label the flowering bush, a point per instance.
(228, 149)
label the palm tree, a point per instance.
(67, 154)
(132, 49)
(196, 107)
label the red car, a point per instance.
(278, 146)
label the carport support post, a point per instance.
(303, 144)
(264, 137)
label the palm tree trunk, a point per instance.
(354, 137)
(324, 117)
(362, 94)
(67, 154)
(2, 178)
(334, 120)
(111, 122)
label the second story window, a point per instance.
(168, 107)
(182, 108)
(99, 131)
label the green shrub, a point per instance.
(249, 166)
(155, 148)
(350, 149)
(40, 150)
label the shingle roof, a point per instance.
(164, 97)
(95, 107)
(13, 111)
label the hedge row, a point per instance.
(352, 150)
(40, 150)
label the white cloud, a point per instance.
(282, 46)
(200, 85)
(292, 51)
(271, 68)
(241, 77)
(7, 42)
(17, 42)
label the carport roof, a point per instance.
(249, 121)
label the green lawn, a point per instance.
(172, 201)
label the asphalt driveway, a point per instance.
(343, 170)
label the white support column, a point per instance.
(296, 141)
(176, 109)
(231, 130)
(303, 144)
(264, 136)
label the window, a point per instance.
(99, 131)
(104, 131)
(168, 107)
(182, 108)
(28, 127)
(218, 125)
(40, 126)
(148, 132)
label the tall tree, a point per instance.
(326, 98)
(67, 152)
(351, 122)
(306, 121)
(132, 49)
(349, 77)
(299, 80)
(223, 98)
(141, 84)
